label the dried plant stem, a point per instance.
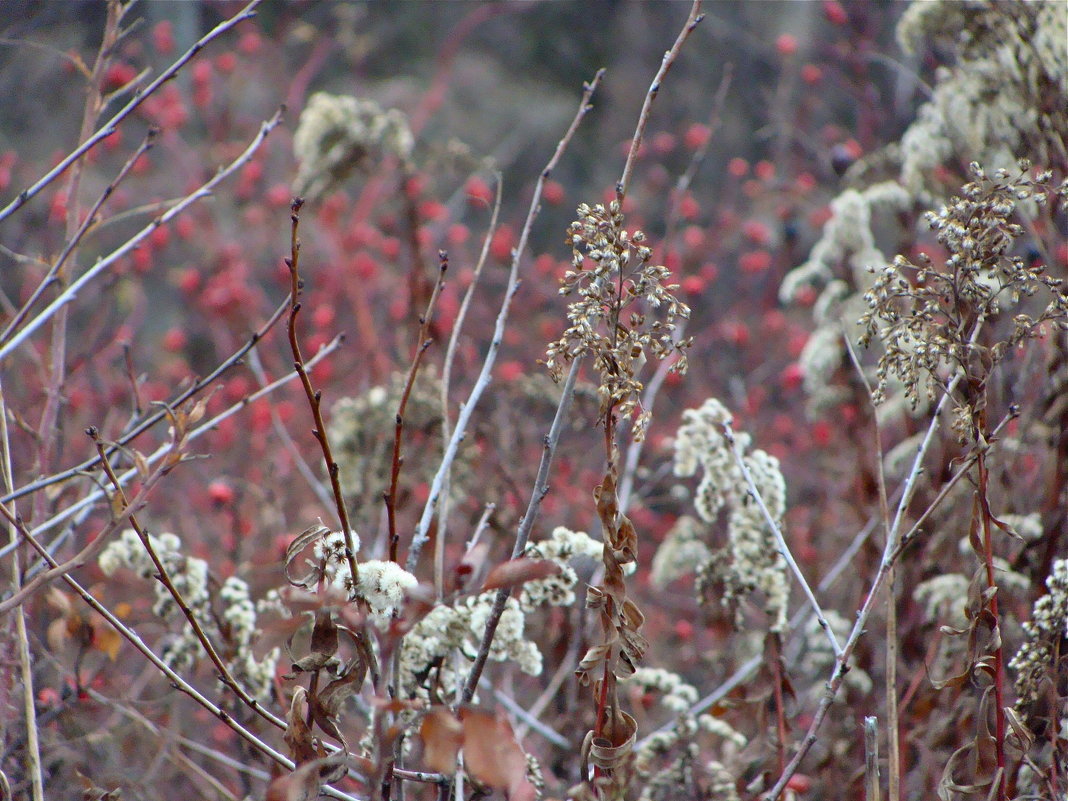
(654, 88)
(892, 717)
(29, 713)
(80, 559)
(890, 555)
(315, 398)
(71, 292)
(142, 426)
(108, 128)
(485, 375)
(422, 344)
(871, 760)
(541, 489)
(54, 271)
(446, 378)
(652, 388)
(179, 683)
(780, 540)
(163, 576)
(982, 507)
(97, 495)
(317, 486)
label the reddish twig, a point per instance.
(390, 496)
(315, 398)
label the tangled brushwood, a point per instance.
(385, 494)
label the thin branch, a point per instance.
(315, 398)
(53, 273)
(111, 125)
(29, 713)
(422, 344)
(321, 492)
(197, 386)
(545, 731)
(773, 526)
(894, 546)
(83, 556)
(71, 292)
(164, 577)
(654, 88)
(446, 377)
(652, 388)
(541, 489)
(203, 428)
(485, 376)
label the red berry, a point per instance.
(220, 493)
(834, 12)
(810, 74)
(478, 192)
(163, 37)
(174, 340)
(786, 44)
(696, 136)
(738, 167)
(553, 192)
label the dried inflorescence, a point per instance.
(929, 317)
(620, 277)
(1047, 638)
(191, 577)
(361, 433)
(1006, 94)
(440, 647)
(678, 743)
(750, 561)
(338, 134)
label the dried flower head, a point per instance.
(929, 317)
(611, 273)
(750, 561)
(1047, 636)
(338, 134)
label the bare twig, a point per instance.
(421, 345)
(446, 377)
(138, 429)
(112, 124)
(652, 388)
(871, 759)
(317, 486)
(71, 292)
(541, 489)
(654, 88)
(164, 577)
(485, 376)
(894, 546)
(315, 398)
(99, 494)
(773, 526)
(29, 713)
(53, 273)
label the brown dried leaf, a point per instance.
(141, 463)
(298, 734)
(442, 736)
(492, 755)
(519, 571)
(306, 538)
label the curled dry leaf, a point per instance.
(303, 540)
(298, 734)
(519, 571)
(323, 645)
